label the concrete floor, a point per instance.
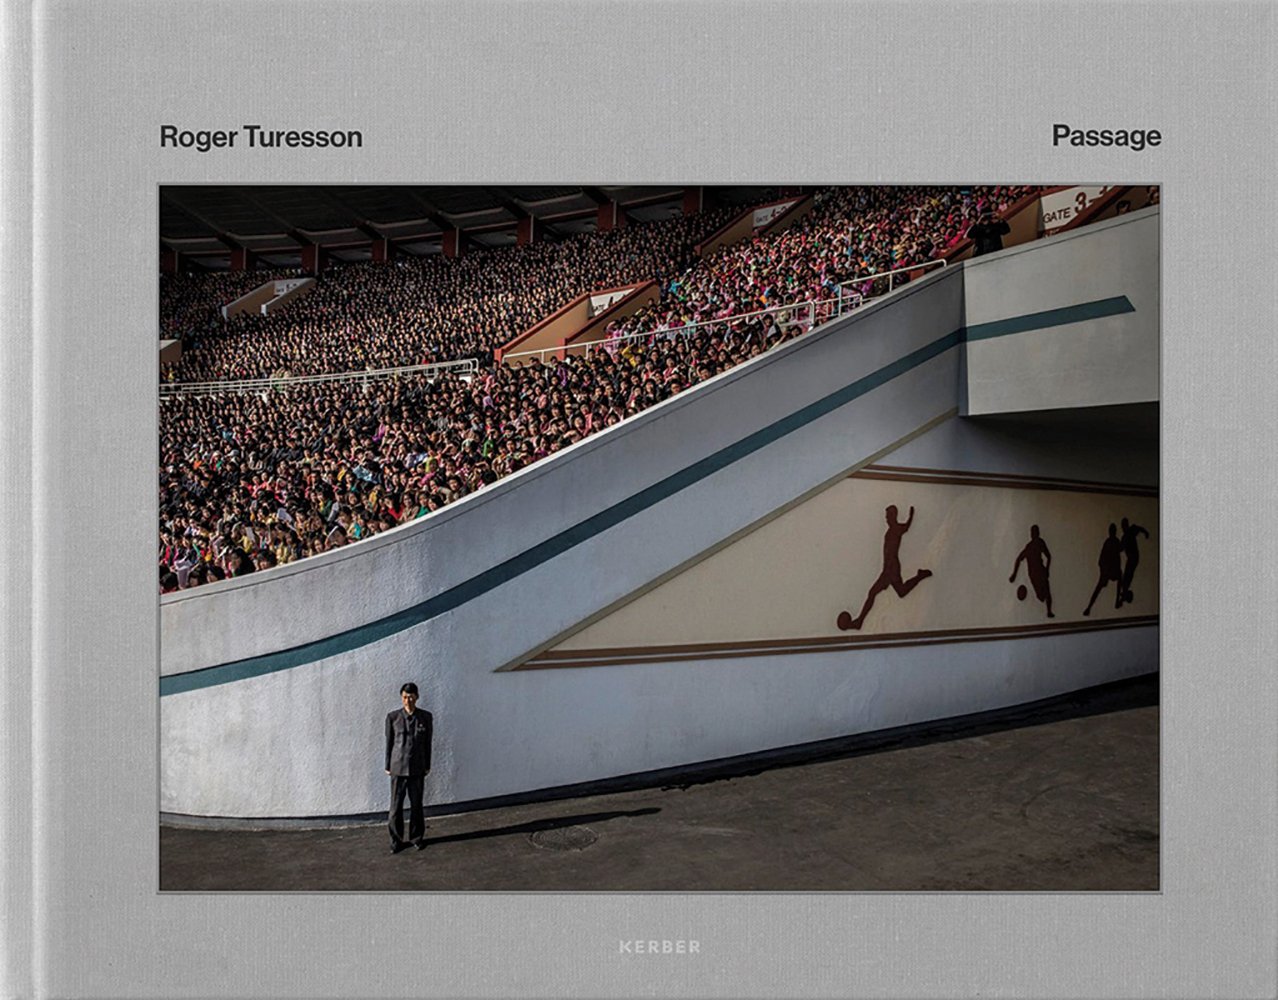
(1058, 796)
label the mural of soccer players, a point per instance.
(1038, 563)
(1110, 563)
(1132, 555)
(891, 573)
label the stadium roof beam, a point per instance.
(296, 235)
(432, 213)
(363, 225)
(225, 238)
(508, 203)
(521, 213)
(601, 199)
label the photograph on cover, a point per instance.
(659, 538)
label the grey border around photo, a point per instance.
(622, 92)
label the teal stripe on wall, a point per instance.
(496, 576)
(1052, 317)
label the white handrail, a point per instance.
(890, 275)
(687, 330)
(847, 300)
(467, 366)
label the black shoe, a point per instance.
(421, 844)
(396, 848)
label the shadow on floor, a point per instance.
(539, 825)
(1140, 692)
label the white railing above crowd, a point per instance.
(802, 313)
(866, 287)
(466, 368)
(808, 313)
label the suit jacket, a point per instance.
(408, 739)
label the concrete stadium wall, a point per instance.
(250, 301)
(1102, 284)
(170, 352)
(268, 297)
(789, 217)
(551, 331)
(596, 328)
(286, 291)
(577, 321)
(1105, 449)
(275, 686)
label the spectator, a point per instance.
(987, 234)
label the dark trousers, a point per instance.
(414, 785)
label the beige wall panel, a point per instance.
(792, 577)
(552, 331)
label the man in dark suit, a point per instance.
(408, 738)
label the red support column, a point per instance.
(381, 251)
(693, 200)
(607, 217)
(168, 262)
(453, 245)
(312, 259)
(241, 260)
(526, 231)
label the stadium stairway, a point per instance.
(667, 592)
(268, 297)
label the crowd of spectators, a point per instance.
(851, 233)
(191, 303)
(256, 480)
(250, 481)
(415, 311)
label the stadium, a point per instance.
(643, 486)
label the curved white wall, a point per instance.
(340, 590)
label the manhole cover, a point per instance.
(564, 838)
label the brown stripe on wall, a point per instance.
(618, 656)
(1011, 481)
(883, 467)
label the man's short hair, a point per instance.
(409, 688)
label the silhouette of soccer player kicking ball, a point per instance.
(1110, 563)
(891, 575)
(1130, 549)
(1038, 564)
